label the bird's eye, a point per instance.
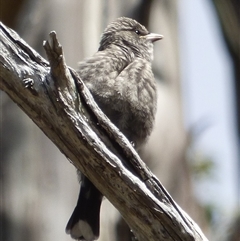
(137, 32)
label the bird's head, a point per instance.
(131, 37)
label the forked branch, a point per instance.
(56, 99)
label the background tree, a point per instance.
(229, 19)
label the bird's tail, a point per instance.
(84, 222)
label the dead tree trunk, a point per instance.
(56, 99)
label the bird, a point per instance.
(120, 78)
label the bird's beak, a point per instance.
(153, 37)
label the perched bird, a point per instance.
(121, 81)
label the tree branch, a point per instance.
(57, 100)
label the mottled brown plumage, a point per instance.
(121, 81)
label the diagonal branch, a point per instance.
(57, 100)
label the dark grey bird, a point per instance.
(121, 81)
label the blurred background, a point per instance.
(194, 149)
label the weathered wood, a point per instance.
(57, 100)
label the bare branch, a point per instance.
(57, 100)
